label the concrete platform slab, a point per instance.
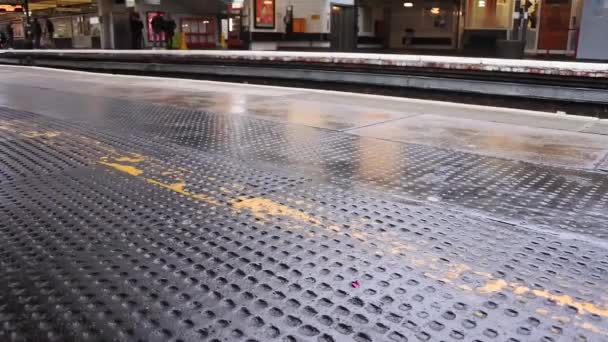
(127, 219)
(517, 142)
(600, 127)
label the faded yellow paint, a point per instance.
(8, 128)
(582, 307)
(466, 288)
(543, 312)
(562, 319)
(497, 285)
(35, 134)
(595, 329)
(134, 158)
(493, 286)
(457, 271)
(128, 169)
(520, 290)
(179, 188)
(263, 207)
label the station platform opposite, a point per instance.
(572, 87)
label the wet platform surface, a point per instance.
(143, 209)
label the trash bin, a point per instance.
(512, 49)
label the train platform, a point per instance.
(572, 87)
(154, 209)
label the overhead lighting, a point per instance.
(435, 10)
(481, 3)
(10, 8)
(267, 2)
(408, 4)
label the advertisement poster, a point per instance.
(264, 14)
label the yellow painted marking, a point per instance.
(466, 288)
(457, 271)
(179, 188)
(583, 307)
(493, 286)
(263, 207)
(593, 328)
(134, 158)
(520, 290)
(132, 170)
(35, 134)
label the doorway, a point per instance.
(554, 25)
(343, 37)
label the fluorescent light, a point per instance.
(408, 4)
(481, 3)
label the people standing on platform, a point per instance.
(10, 36)
(169, 29)
(137, 35)
(50, 33)
(36, 33)
(158, 28)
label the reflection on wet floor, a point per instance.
(508, 141)
(433, 124)
(264, 206)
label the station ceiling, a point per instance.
(36, 5)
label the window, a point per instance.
(489, 14)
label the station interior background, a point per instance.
(459, 27)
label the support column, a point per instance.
(115, 29)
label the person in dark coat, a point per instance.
(158, 28)
(137, 27)
(50, 29)
(169, 29)
(37, 33)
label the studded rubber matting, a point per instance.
(134, 222)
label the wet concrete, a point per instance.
(163, 210)
(510, 134)
(518, 142)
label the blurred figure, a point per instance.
(36, 33)
(158, 28)
(10, 36)
(50, 33)
(137, 35)
(169, 29)
(3, 40)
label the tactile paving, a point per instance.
(191, 226)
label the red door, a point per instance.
(554, 25)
